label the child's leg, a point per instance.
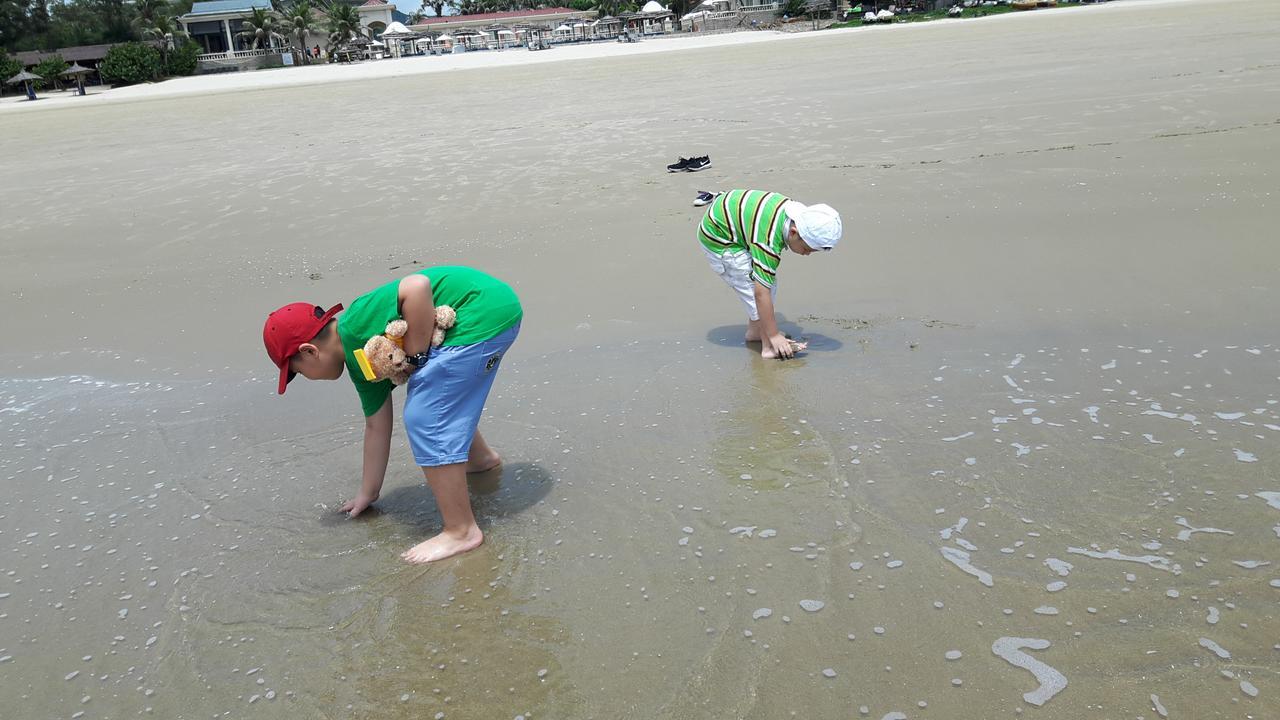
(735, 270)
(442, 413)
(460, 534)
(481, 457)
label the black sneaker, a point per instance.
(704, 198)
(698, 163)
(680, 166)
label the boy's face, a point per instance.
(321, 359)
(796, 244)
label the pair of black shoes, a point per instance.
(693, 164)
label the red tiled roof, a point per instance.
(495, 15)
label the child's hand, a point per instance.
(782, 347)
(357, 505)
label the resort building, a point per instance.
(215, 24)
(548, 25)
(89, 56)
(378, 14)
(547, 18)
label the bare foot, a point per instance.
(444, 545)
(484, 464)
(767, 350)
(753, 336)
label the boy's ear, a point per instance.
(308, 349)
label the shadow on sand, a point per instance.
(732, 336)
(496, 494)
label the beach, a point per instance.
(1037, 421)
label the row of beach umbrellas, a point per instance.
(76, 71)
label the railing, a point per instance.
(765, 7)
(238, 54)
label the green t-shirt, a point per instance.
(485, 305)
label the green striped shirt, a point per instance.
(747, 221)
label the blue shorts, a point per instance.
(446, 397)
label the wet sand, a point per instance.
(1048, 339)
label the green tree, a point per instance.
(76, 22)
(416, 17)
(148, 10)
(344, 23)
(116, 25)
(50, 71)
(132, 62)
(13, 22)
(261, 27)
(298, 21)
(166, 29)
(184, 59)
(8, 68)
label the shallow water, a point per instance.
(1040, 408)
(167, 524)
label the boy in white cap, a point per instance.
(743, 234)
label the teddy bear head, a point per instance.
(386, 357)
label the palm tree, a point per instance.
(416, 17)
(470, 7)
(149, 10)
(344, 23)
(299, 20)
(261, 27)
(610, 7)
(163, 28)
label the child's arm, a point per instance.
(377, 449)
(419, 310)
(770, 334)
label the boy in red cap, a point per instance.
(445, 393)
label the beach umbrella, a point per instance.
(25, 77)
(396, 29)
(78, 72)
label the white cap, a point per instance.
(819, 225)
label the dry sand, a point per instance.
(1050, 327)
(419, 65)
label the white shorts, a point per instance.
(735, 269)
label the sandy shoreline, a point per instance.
(410, 66)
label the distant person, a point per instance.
(315, 51)
(445, 394)
(743, 234)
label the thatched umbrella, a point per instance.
(25, 77)
(78, 72)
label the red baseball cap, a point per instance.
(288, 328)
